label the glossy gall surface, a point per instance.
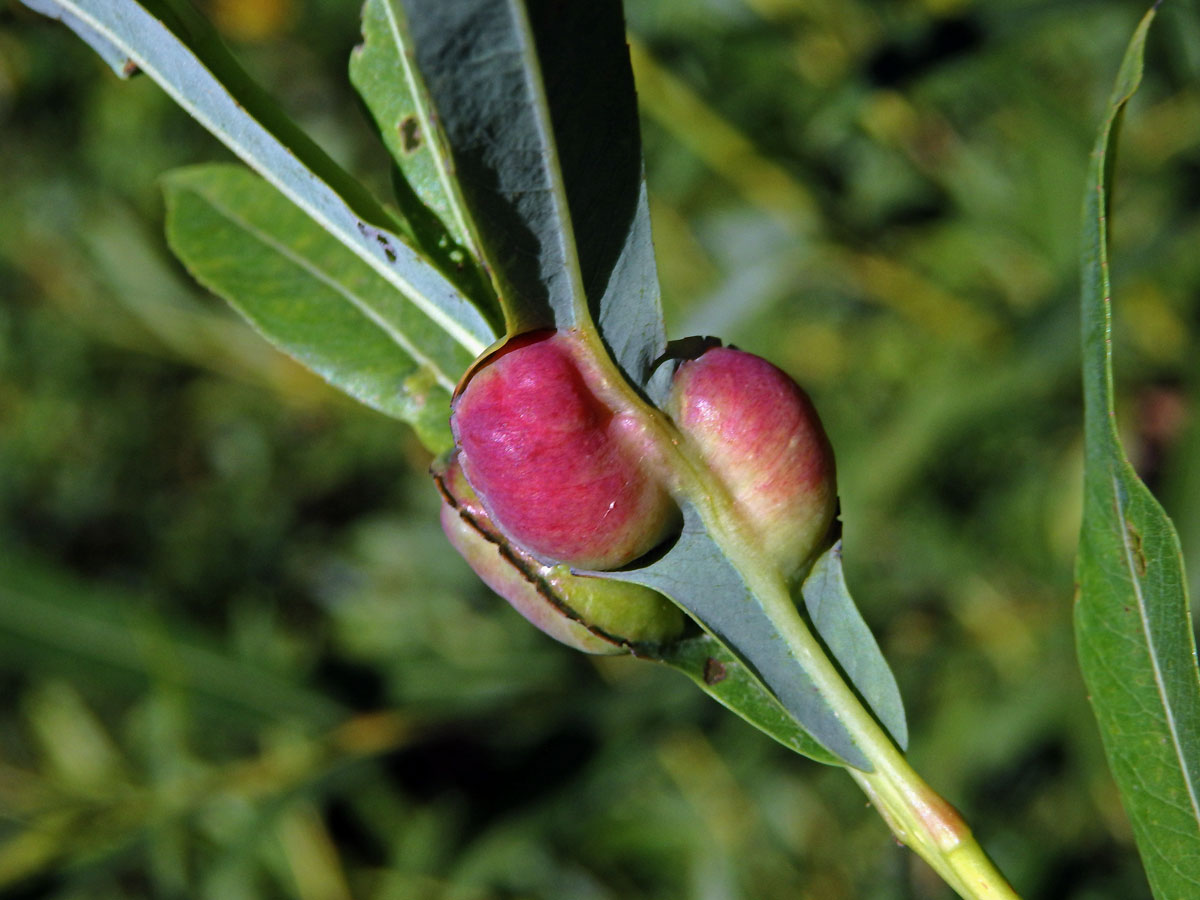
(761, 437)
(561, 473)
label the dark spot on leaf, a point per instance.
(410, 134)
(387, 248)
(129, 69)
(714, 671)
(1135, 544)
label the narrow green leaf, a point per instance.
(311, 297)
(695, 574)
(538, 104)
(117, 59)
(839, 623)
(584, 59)
(384, 71)
(1133, 627)
(202, 78)
(480, 64)
(630, 315)
(721, 675)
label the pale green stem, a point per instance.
(917, 815)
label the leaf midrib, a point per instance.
(426, 118)
(446, 322)
(1148, 633)
(330, 281)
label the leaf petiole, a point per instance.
(918, 816)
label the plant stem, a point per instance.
(917, 815)
(933, 829)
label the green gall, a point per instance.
(592, 614)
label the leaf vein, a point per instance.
(255, 145)
(337, 287)
(1160, 685)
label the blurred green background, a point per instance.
(237, 658)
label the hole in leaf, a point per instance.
(714, 671)
(410, 134)
(387, 248)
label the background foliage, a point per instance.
(237, 658)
